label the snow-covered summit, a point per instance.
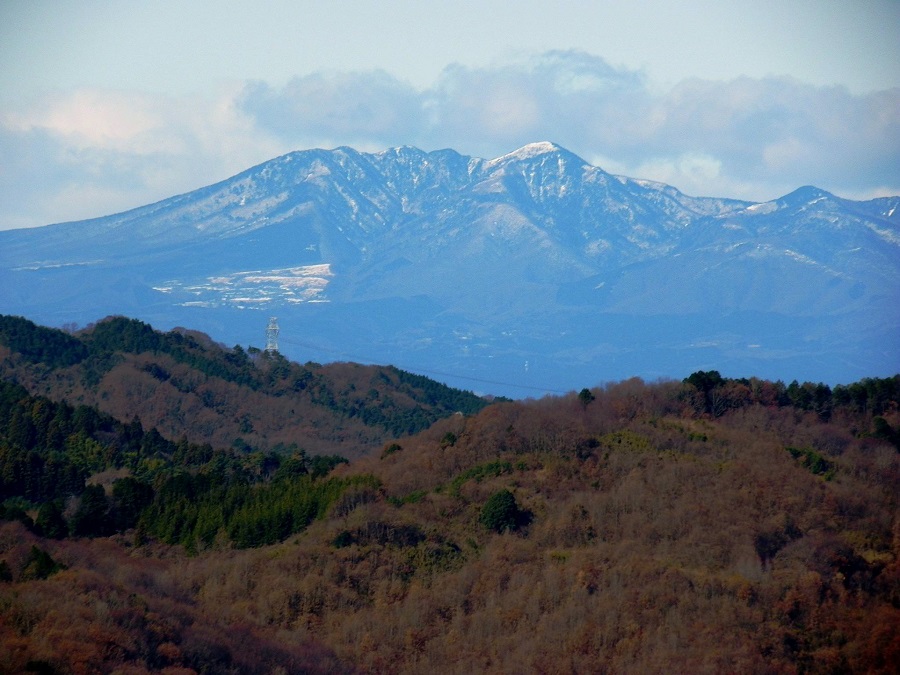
(454, 261)
(530, 151)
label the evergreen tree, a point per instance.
(50, 522)
(130, 498)
(91, 518)
(500, 512)
(39, 565)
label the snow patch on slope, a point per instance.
(254, 288)
(763, 208)
(887, 235)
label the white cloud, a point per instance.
(92, 118)
(692, 173)
(94, 152)
(759, 137)
(91, 152)
(350, 108)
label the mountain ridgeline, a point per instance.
(531, 272)
(184, 385)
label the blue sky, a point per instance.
(109, 105)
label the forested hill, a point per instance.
(184, 385)
(708, 525)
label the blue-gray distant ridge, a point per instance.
(530, 272)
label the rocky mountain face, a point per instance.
(526, 273)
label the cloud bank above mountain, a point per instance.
(90, 152)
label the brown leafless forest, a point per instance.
(648, 536)
(709, 525)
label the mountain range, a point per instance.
(527, 273)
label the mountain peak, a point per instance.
(533, 150)
(400, 151)
(804, 195)
(473, 266)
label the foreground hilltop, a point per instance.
(534, 269)
(711, 524)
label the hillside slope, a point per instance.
(183, 384)
(710, 525)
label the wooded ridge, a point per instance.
(711, 524)
(183, 384)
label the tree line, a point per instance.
(178, 492)
(712, 394)
(396, 401)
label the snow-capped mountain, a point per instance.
(534, 269)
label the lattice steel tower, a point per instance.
(272, 335)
